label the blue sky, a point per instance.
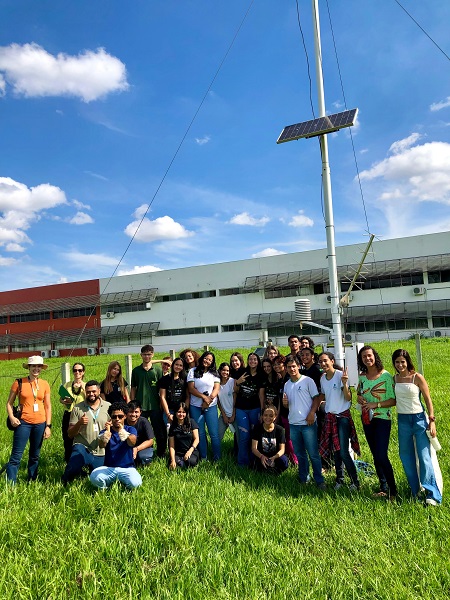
(97, 96)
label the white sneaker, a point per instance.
(338, 485)
(430, 502)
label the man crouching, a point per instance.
(118, 439)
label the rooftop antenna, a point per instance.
(321, 127)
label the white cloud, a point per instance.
(34, 72)
(162, 228)
(18, 197)
(80, 206)
(440, 105)
(136, 270)
(2, 86)
(301, 220)
(13, 247)
(6, 262)
(420, 173)
(267, 252)
(96, 175)
(21, 206)
(245, 219)
(402, 145)
(141, 211)
(89, 262)
(81, 218)
(204, 140)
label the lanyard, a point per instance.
(95, 414)
(34, 390)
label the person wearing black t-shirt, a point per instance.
(271, 385)
(279, 366)
(249, 405)
(268, 444)
(172, 390)
(183, 440)
(114, 387)
(143, 450)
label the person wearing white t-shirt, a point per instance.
(204, 385)
(226, 400)
(302, 398)
(338, 429)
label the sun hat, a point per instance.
(35, 360)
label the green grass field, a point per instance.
(219, 531)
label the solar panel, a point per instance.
(318, 126)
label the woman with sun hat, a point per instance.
(34, 421)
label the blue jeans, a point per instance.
(23, 433)
(304, 439)
(79, 458)
(343, 456)
(211, 417)
(412, 428)
(104, 477)
(245, 421)
(377, 435)
(144, 457)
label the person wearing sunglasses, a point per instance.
(75, 395)
(118, 438)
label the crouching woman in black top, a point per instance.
(268, 444)
(183, 440)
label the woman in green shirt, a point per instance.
(376, 397)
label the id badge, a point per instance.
(96, 430)
(35, 407)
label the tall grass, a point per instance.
(219, 531)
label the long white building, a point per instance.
(405, 289)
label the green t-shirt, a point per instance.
(378, 390)
(146, 384)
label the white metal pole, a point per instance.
(327, 196)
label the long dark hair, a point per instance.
(181, 376)
(186, 425)
(200, 369)
(378, 364)
(331, 357)
(271, 376)
(258, 368)
(406, 356)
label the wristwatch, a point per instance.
(378, 404)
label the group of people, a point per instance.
(293, 408)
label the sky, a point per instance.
(141, 136)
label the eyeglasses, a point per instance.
(118, 417)
(78, 370)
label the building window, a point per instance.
(232, 291)
(124, 308)
(228, 328)
(284, 293)
(37, 316)
(441, 321)
(3, 320)
(186, 296)
(439, 276)
(386, 281)
(74, 312)
(187, 331)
